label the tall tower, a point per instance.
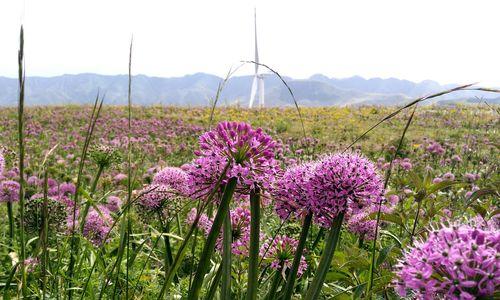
(258, 79)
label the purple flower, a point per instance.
(449, 176)
(341, 182)
(155, 196)
(240, 225)
(249, 153)
(9, 191)
(437, 180)
(280, 251)
(291, 191)
(113, 204)
(457, 262)
(97, 225)
(67, 188)
(175, 178)
(119, 178)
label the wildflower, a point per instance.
(175, 178)
(157, 199)
(406, 164)
(437, 180)
(290, 193)
(470, 177)
(280, 252)
(449, 176)
(9, 191)
(113, 203)
(97, 225)
(104, 155)
(67, 188)
(119, 178)
(56, 213)
(455, 262)
(340, 182)
(456, 158)
(249, 153)
(31, 263)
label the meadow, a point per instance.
(186, 206)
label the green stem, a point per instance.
(275, 284)
(326, 258)
(253, 269)
(415, 222)
(86, 208)
(290, 281)
(214, 285)
(10, 214)
(226, 257)
(208, 249)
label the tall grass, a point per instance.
(20, 126)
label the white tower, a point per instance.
(258, 79)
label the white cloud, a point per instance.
(449, 41)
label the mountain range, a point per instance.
(199, 90)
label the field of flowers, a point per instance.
(251, 204)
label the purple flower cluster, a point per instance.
(455, 262)
(338, 183)
(169, 185)
(249, 153)
(435, 148)
(240, 225)
(97, 225)
(342, 183)
(175, 178)
(9, 191)
(280, 252)
(291, 191)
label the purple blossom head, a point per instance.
(119, 178)
(361, 225)
(249, 153)
(113, 203)
(175, 178)
(291, 191)
(9, 191)
(449, 176)
(280, 251)
(456, 158)
(406, 164)
(240, 225)
(33, 181)
(341, 182)
(455, 262)
(67, 188)
(97, 225)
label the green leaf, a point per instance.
(393, 218)
(479, 209)
(383, 254)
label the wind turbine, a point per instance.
(258, 79)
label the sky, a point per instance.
(447, 41)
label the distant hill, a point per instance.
(198, 89)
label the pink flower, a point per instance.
(457, 262)
(249, 153)
(9, 191)
(174, 178)
(280, 251)
(341, 182)
(291, 191)
(113, 204)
